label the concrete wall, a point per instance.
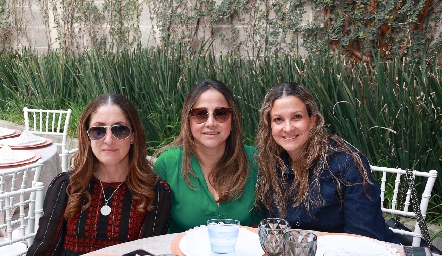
(34, 27)
(38, 19)
(41, 33)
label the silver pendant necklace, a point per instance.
(105, 209)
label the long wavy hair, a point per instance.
(272, 186)
(231, 173)
(140, 179)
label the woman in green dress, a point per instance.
(211, 172)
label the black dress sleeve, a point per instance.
(157, 220)
(52, 225)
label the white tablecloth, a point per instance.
(162, 245)
(155, 245)
(51, 166)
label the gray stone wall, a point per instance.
(40, 32)
(34, 26)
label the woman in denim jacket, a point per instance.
(314, 180)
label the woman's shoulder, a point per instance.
(59, 183)
(340, 148)
(162, 185)
(170, 158)
(61, 179)
(171, 152)
(343, 157)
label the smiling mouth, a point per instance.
(211, 133)
(291, 137)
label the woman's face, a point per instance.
(291, 124)
(110, 151)
(211, 135)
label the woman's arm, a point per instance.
(157, 220)
(52, 225)
(362, 205)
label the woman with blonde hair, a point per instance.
(112, 196)
(210, 172)
(316, 181)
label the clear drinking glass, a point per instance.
(271, 231)
(223, 234)
(299, 243)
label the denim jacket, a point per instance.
(358, 213)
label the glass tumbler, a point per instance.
(223, 234)
(299, 243)
(270, 233)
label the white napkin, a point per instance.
(6, 154)
(5, 131)
(27, 137)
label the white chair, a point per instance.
(30, 208)
(52, 123)
(13, 179)
(65, 159)
(20, 177)
(394, 208)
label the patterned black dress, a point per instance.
(89, 230)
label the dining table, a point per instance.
(48, 152)
(156, 245)
(170, 243)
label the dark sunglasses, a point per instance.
(200, 115)
(119, 131)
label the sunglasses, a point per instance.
(200, 115)
(119, 131)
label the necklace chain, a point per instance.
(105, 209)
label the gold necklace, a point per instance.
(105, 209)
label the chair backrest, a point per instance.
(30, 209)
(13, 179)
(50, 122)
(65, 159)
(393, 192)
(20, 177)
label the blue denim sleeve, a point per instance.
(362, 205)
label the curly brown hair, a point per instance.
(271, 186)
(140, 179)
(231, 173)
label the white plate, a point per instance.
(362, 245)
(17, 142)
(19, 156)
(6, 131)
(196, 243)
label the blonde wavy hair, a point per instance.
(233, 169)
(272, 186)
(140, 179)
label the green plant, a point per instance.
(390, 110)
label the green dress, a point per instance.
(193, 207)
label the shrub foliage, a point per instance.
(390, 110)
